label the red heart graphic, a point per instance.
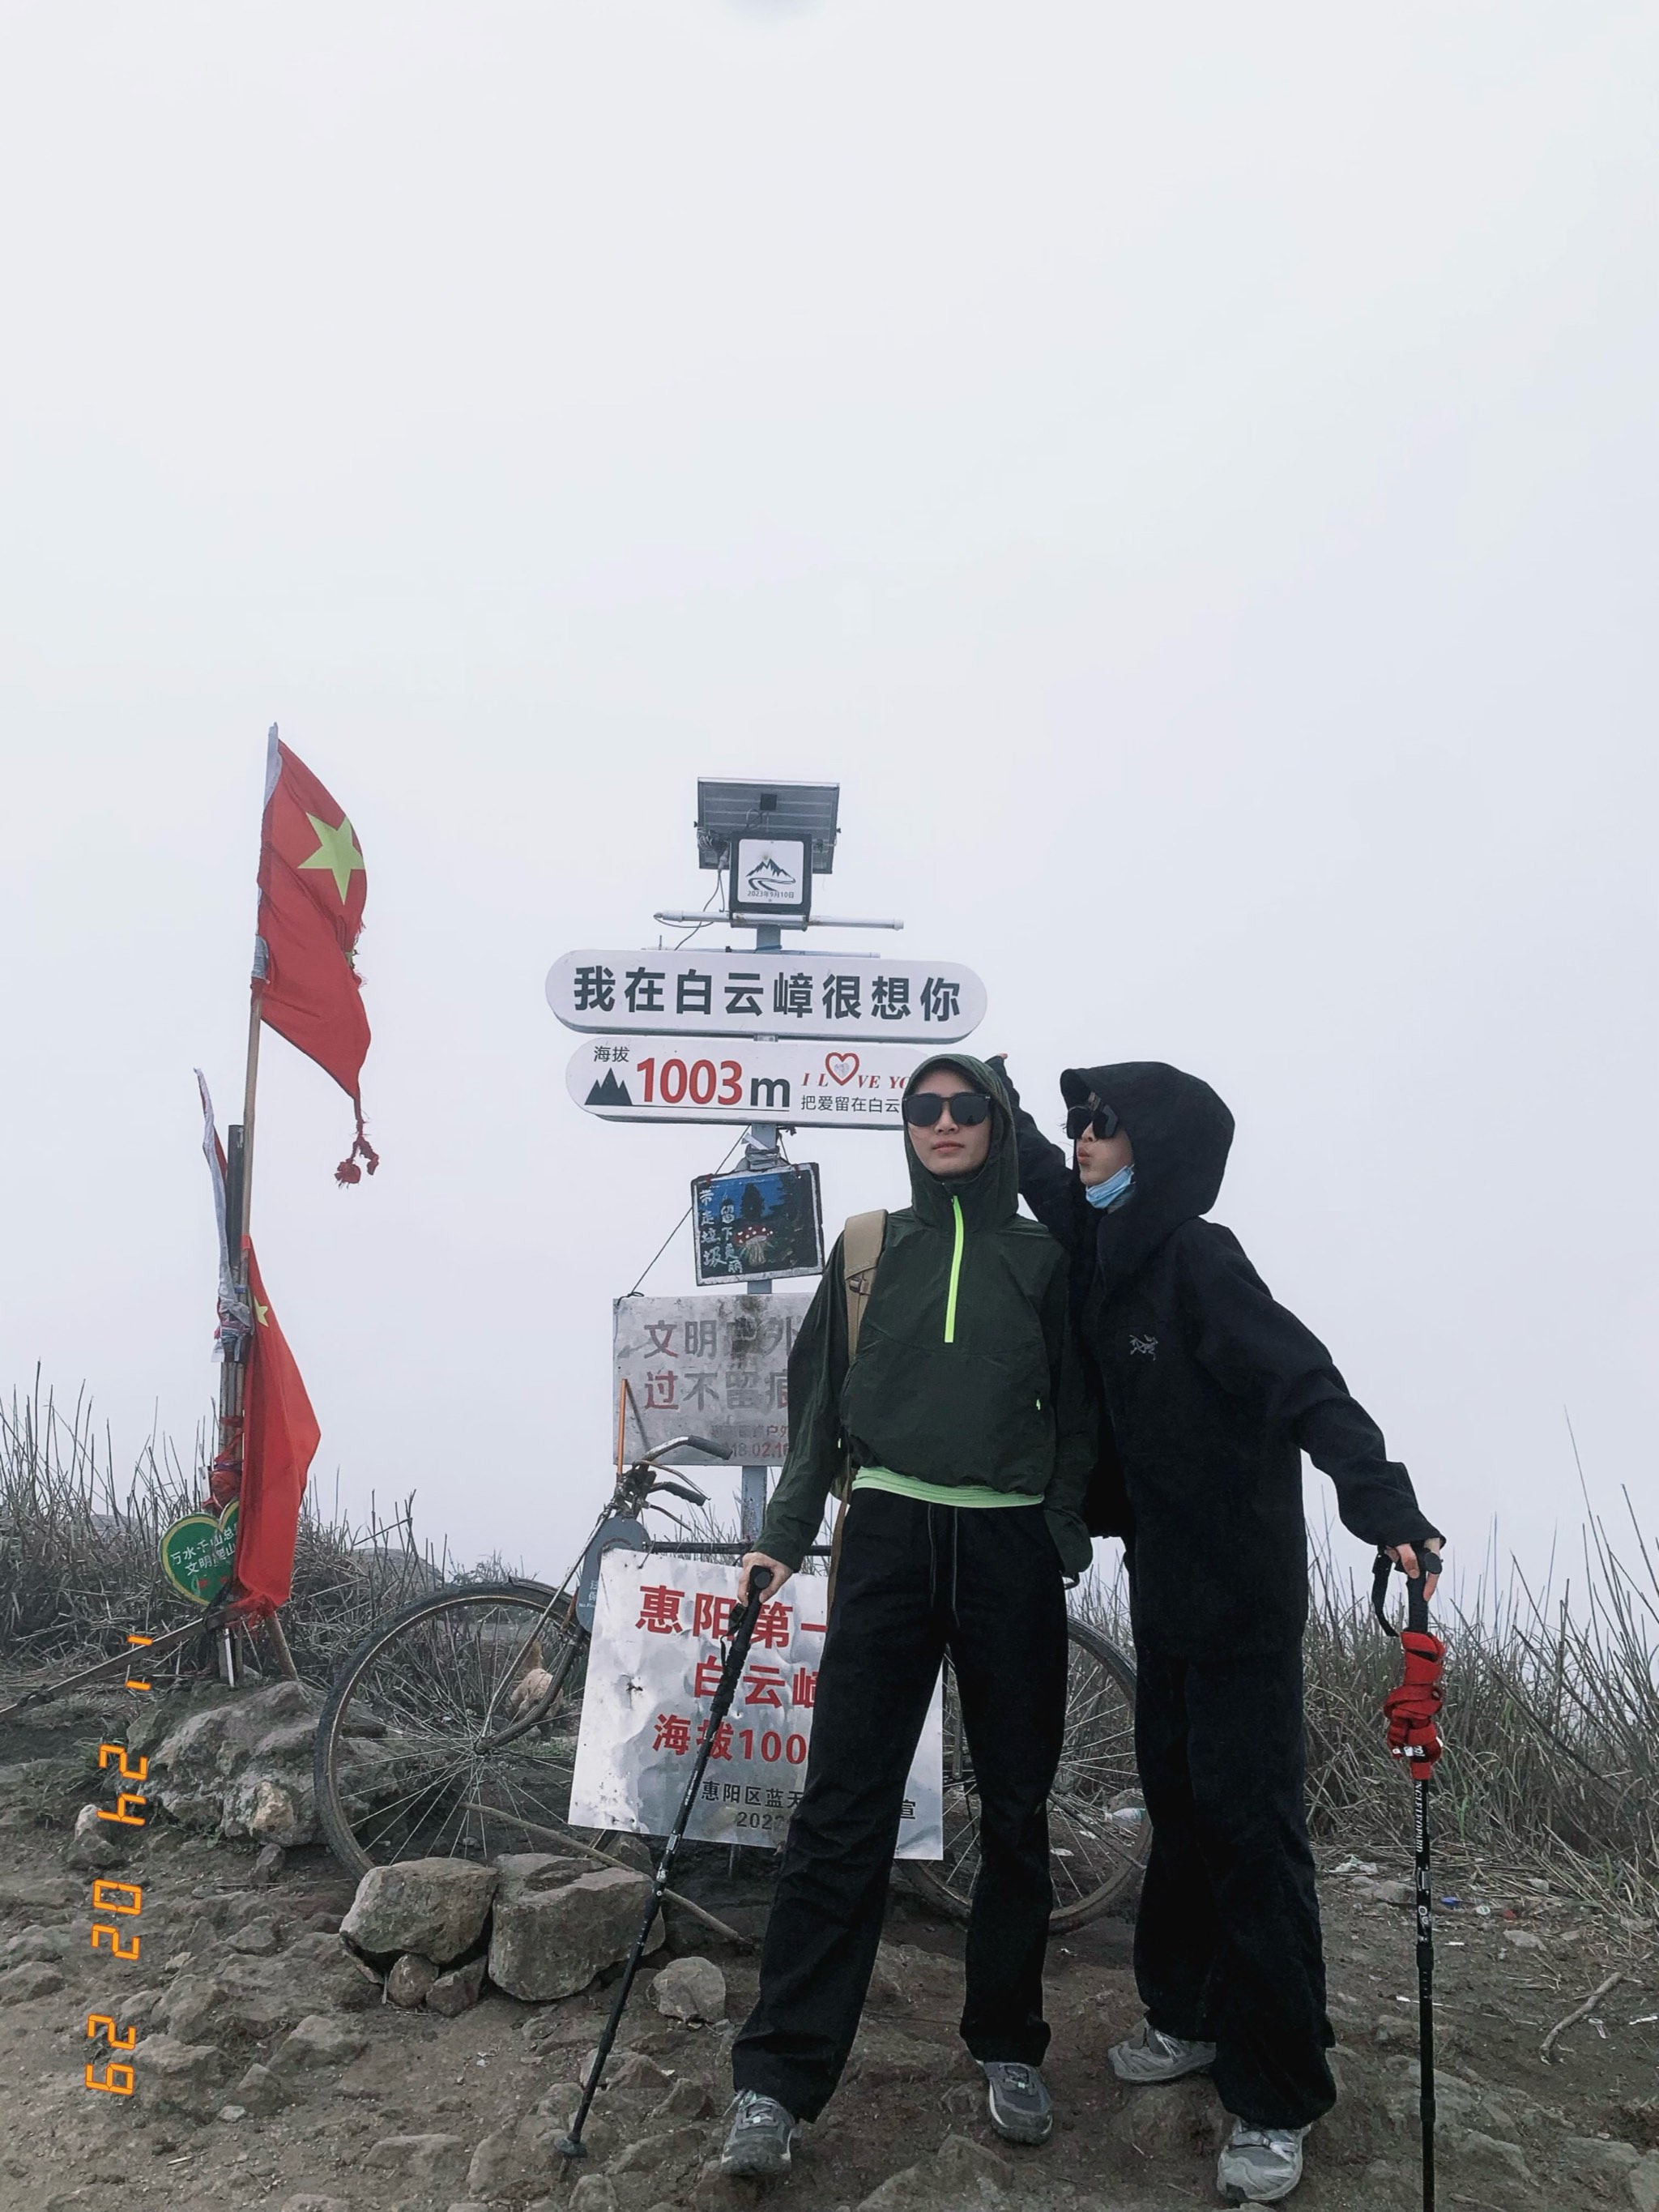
(842, 1067)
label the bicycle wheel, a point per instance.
(450, 1730)
(1098, 1832)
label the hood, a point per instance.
(1181, 1132)
(993, 1193)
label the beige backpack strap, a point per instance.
(861, 1241)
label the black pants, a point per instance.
(914, 1582)
(1227, 1944)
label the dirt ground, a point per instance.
(1516, 2133)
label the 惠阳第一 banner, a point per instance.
(809, 1083)
(652, 1672)
(747, 994)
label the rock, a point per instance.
(256, 1939)
(320, 2040)
(885, 2056)
(36, 1944)
(37, 1892)
(520, 2160)
(311, 2201)
(686, 2100)
(435, 1906)
(1487, 2150)
(93, 1847)
(1523, 1939)
(457, 1990)
(1402, 1893)
(257, 1996)
(523, 1870)
(1641, 2184)
(259, 2090)
(231, 2113)
(690, 1989)
(243, 1764)
(21, 1983)
(1598, 2155)
(1181, 2120)
(550, 1942)
(269, 1864)
(139, 2009)
(430, 2161)
(631, 1851)
(960, 2174)
(593, 2192)
(184, 2075)
(674, 2150)
(628, 2069)
(410, 1979)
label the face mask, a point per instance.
(1113, 1191)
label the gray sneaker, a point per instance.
(1019, 2101)
(1149, 2055)
(1260, 2166)
(760, 2135)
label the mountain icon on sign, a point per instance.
(766, 878)
(609, 1092)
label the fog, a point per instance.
(1188, 476)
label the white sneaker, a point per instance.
(1149, 2055)
(1260, 2166)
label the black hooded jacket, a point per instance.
(1213, 1390)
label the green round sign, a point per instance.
(197, 1553)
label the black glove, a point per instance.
(999, 1068)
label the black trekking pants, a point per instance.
(1227, 1943)
(916, 1581)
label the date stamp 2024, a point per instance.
(124, 1901)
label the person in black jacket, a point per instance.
(1212, 1393)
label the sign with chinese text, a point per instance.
(652, 1668)
(766, 1224)
(770, 876)
(709, 1367)
(810, 994)
(653, 1079)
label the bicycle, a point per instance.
(450, 1730)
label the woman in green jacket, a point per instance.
(967, 1432)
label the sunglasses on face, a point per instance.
(967, 1108)
(1099, 1119)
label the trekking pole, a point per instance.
(1414, 1739)
(743, 1631)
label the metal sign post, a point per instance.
(763, 1039)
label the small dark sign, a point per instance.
(758, 1225)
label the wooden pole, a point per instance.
(250, 1090)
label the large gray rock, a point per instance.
(37, 1979)
(523, 1870)
(410, 1979)
(546, 1943)
(435, 1906)
(1641, 2184)
(243, 1765)
(690, 1989)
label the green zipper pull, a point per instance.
(956, 1274)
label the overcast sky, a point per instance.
(1189, 474)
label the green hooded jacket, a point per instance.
(966, 1372)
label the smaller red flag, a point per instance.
(280, 1438)
(313, 882)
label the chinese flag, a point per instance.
(311, 886)
(279, 1439)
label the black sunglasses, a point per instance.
(967, 1108)
(1100, 1119)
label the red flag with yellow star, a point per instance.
(313, 882)
(280, 1438)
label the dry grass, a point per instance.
(79, 1546)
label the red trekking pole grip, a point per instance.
(1413, 1739)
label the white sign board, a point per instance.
(652, 1079)
(712, 1366)
(694, 993)
(652, 1669)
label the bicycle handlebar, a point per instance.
(698, 1443)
